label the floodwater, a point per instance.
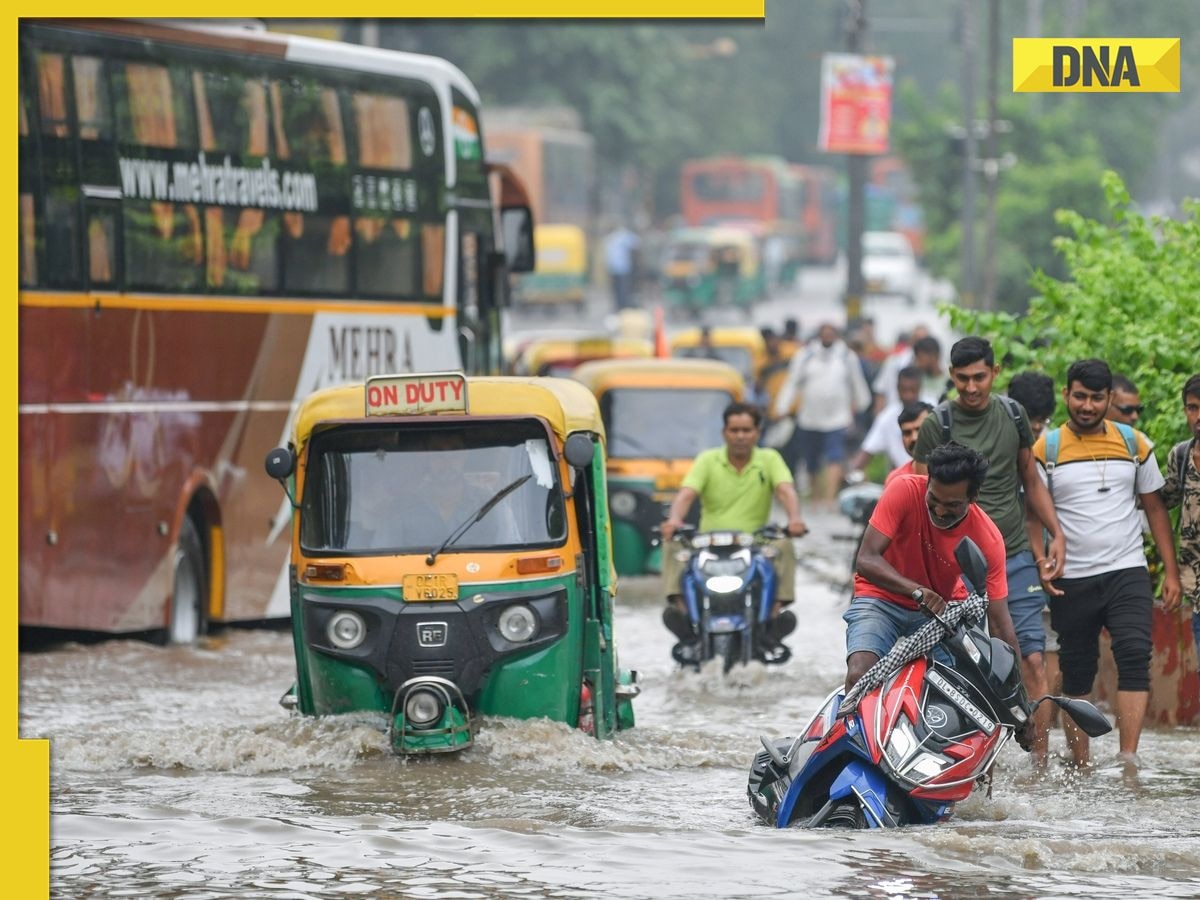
(174, 773)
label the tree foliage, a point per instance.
(1129, 297)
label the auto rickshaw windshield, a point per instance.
(662, 423)
(738, 357)
(379, 488)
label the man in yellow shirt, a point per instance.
(735, 484)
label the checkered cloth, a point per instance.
(908, 648)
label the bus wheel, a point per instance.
(189, 594)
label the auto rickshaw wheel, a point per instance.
(189, 593)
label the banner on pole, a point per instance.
(856, 103)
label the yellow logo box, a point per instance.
(1095, 65)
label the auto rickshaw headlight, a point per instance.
(423, 708)
(518, 624)
(623, 503)
(346, 629)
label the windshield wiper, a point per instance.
(475, 517)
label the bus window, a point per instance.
(382, 125)
(52, 94)
(387, 257)
(154, 106)
(91, 99)
(163, 248)
(433, 252)
(308, 122)
(29, 270)
(315, 250)
(102, 245)
(232, 113)
(242, 250)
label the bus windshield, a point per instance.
(662, 423)
(381, 489)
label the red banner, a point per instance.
(856, 103)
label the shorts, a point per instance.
(1120, 601)
(874, 625)
(1026, 600)
(816, 446)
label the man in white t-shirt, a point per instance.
(1095, 481)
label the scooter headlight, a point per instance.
(723, 584)
(423, 708)
(346, 629)
(518, 624)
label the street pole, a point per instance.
(992, 159)
(856, 177)
(967, 287)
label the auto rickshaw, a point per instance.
(561, 275)
(451, 557)
(658, 414)
(741, 346)
(712, 266)
(559, 355)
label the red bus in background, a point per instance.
(890, 176)
(215, 221)
(819, 213)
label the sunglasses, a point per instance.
(1130, 410)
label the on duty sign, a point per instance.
(414, 395)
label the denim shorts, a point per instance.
(874, 625)
(1026, 600)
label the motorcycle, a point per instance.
(914, 735)
(728, 589)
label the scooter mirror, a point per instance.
(1086, 716)
(972, 562)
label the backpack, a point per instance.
(1180, 451)
(1052, 441)
(942, 411)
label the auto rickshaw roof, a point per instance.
(566, 405)
(605, 374)
(540, 353)
(723, 336)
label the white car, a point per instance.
(889, 265)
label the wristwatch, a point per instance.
(918, 596)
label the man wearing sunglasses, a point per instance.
(1125, 405)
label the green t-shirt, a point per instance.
(731, 500)
(994, 434)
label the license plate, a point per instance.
(430, 587)
(723, 624)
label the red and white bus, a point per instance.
(215, 221)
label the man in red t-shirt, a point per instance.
(906, 563)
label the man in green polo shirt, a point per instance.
(735, 484)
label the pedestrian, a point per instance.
(1035, 391)
(910, 420)
(906, 566)
(1182, 489)
(1126, 404)
(884, 435)
(620, 255)
(999, 428)
(827, 377)
(1095, 471)
(926, 354)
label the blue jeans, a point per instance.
(1026, 600)
(1196, 630)
(874, 625)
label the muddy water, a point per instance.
(176, 774)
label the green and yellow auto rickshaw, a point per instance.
(560, 355)
(742, 346)
(658, 414)
(451, 556)
(710, 266)
(561, 274)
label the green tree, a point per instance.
(1129, 297)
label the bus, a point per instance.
(215, 221)
(819, 213)
(764, 190)
(555, 160)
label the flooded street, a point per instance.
(176, 773)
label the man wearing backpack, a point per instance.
(999, 428)
(1182, 489)
(1096, 470)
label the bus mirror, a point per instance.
(517, 222)
(280, 463)
(578, 450)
